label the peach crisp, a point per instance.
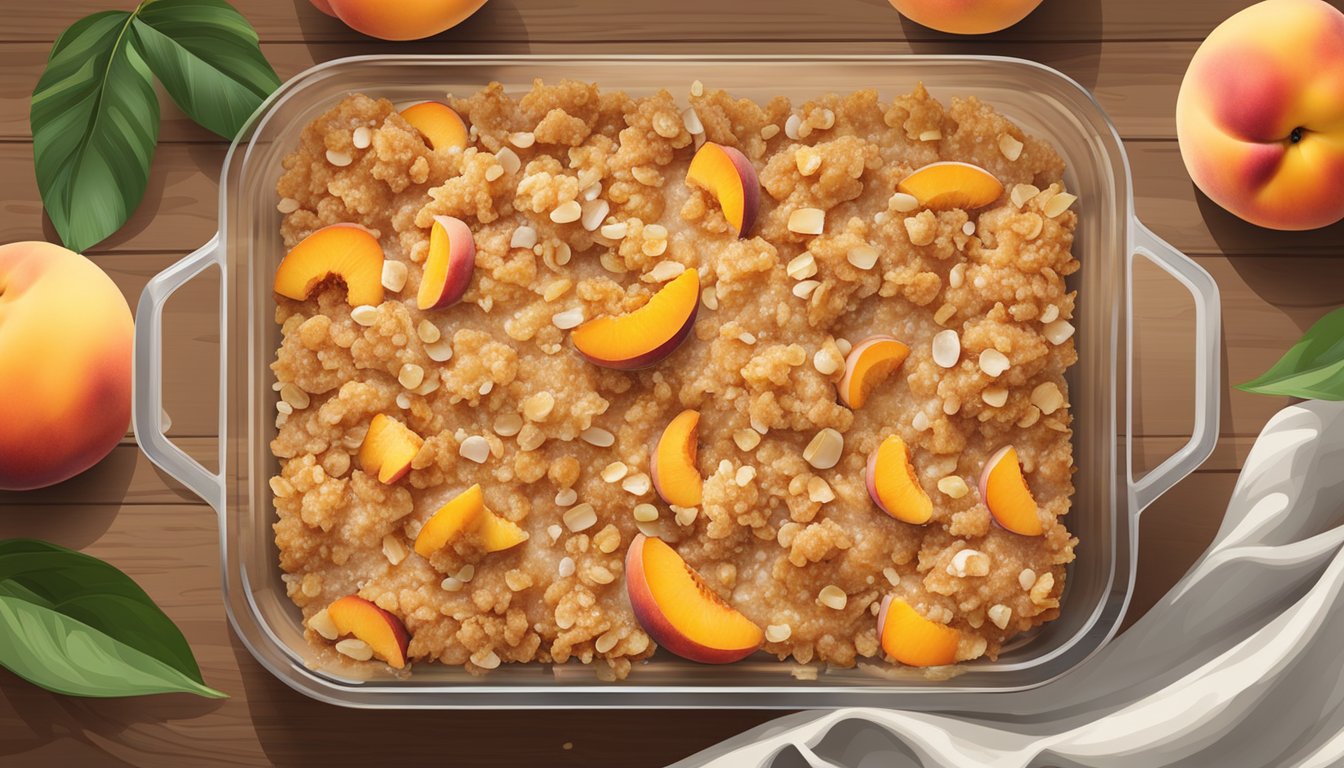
(572, 376)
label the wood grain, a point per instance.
(521, 22)
(1132, 54)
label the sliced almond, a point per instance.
(580, 518)
(946, 348)
(593, 212)
(1022, 193)
(993, 362)
(863, 256)
(824, 451)
(1047, 397)
(995, 397)
(807, 221)
(364, 315)
(1010, 147)
(567, 212)
(833, 597)
(802, 266)
(1058, 331)
(474, 448)
(1059, 204)
(523, 237)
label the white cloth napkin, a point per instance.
(1241, 664)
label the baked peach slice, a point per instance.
(1004, 490)
(448, 267)
(466, 515)
(893, 484)
(463, 513)
(950, 184)
(388, 448)
(912, 639)
(641, 338)
(679, 611)
(439, 123)
(868, 364)
(727, 174)
(385, 634)
(496, 534)
(347, 251)
(672, 468)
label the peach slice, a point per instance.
(679, 611)
(461, 514)
(448, 268)
(893, 484)
(951, 184)
(496, 534)
(388, 448)
(643, 337)
(439, 124)
(912, 639)
(1004, 490)
(868, 363)
(466, 514)
(385, 634)
(673, 469)
(727, 174)
(347, 251)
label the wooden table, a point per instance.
(1131, 53)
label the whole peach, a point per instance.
(65, 365)
(401, 20)
(966, 17)
(1260, 115)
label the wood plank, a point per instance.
(1135, 82)
(1174, 532)
(695, 21)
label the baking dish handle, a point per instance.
(148, 389)
(1208, 334)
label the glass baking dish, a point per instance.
(1105, 512)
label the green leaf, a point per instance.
(95, 121)
(76, 625)
(207, 57)
(1313, 368)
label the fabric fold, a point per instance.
(1240, 664)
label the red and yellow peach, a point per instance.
(466, 515)
(1260, 115)
(384, 632)
(966, 17)
(403, 20)
(913, 640)
(672, 466)
(680, 612)
(65, 365)
(449, 265)
(893, 484)
(1004, 490)
(727, 174)
(439, 123)
(869, 362)
(347, 251)
(641, 338)
(951, 184)
(388, 448)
